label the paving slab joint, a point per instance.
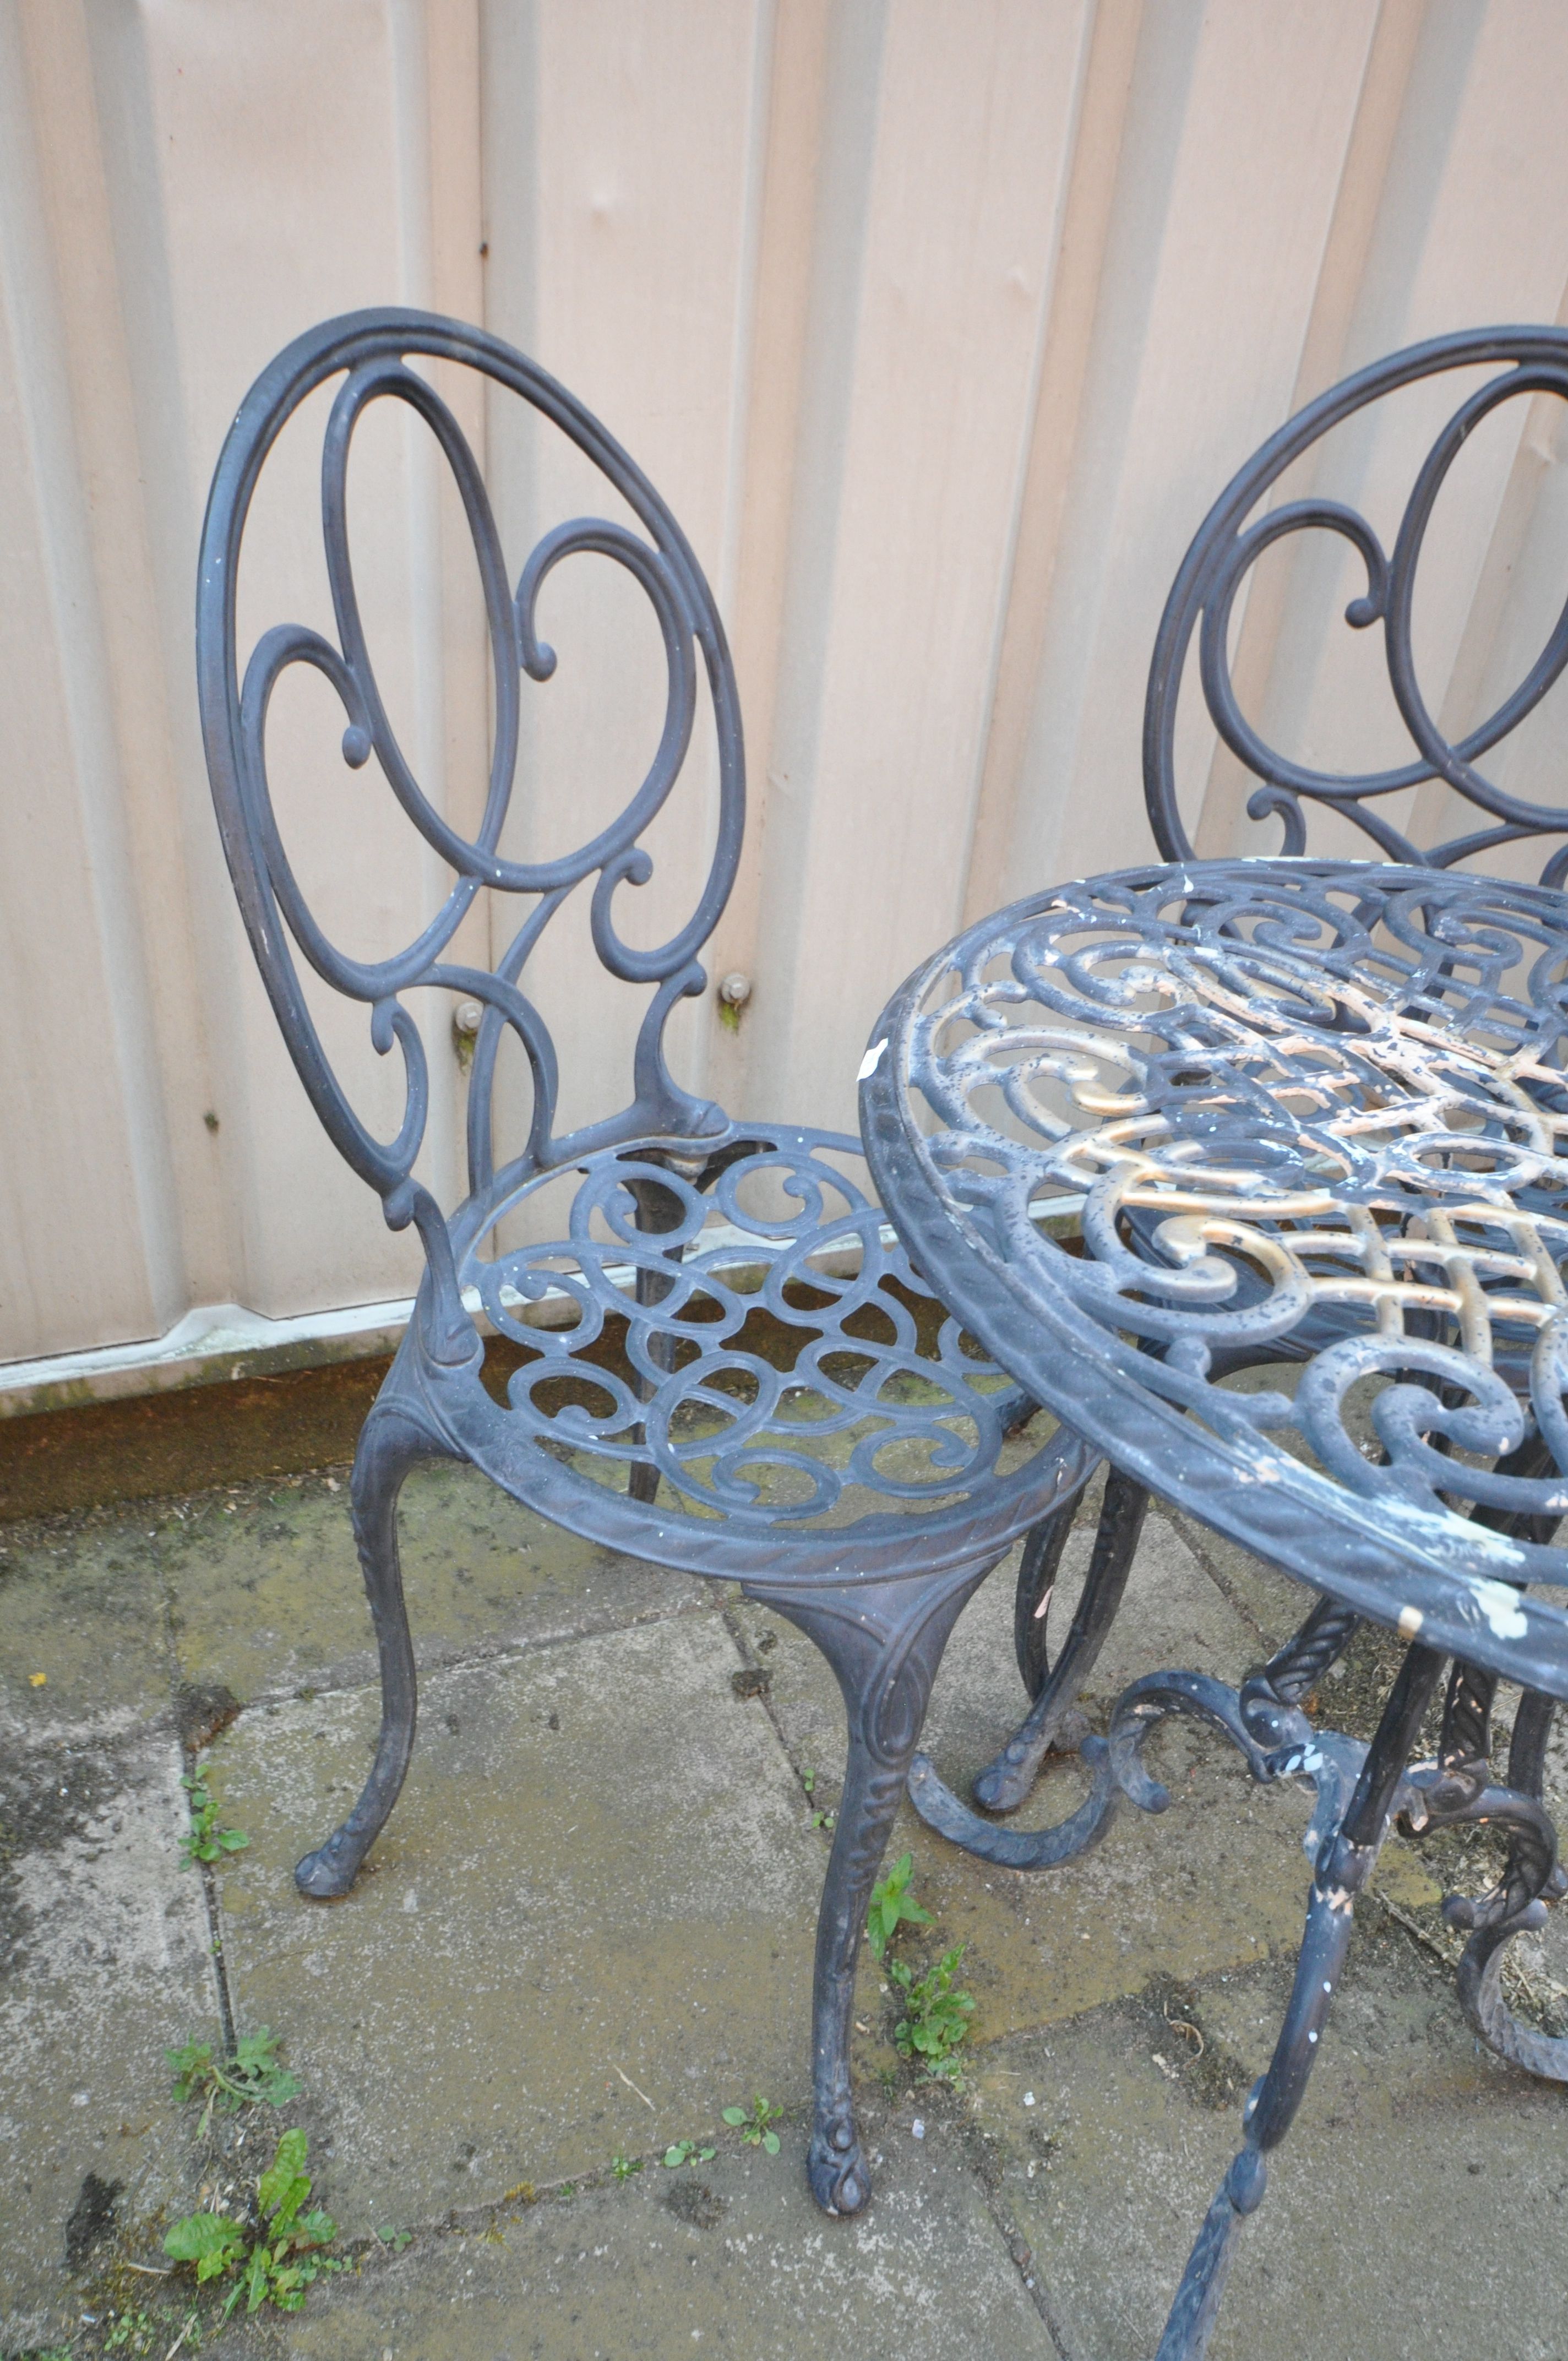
(444, 1657)
(190, 1758)
(985, 2168)
(753, 1664)
(1196, 1539)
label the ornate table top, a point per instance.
(1257, 1173)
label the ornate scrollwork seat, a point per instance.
(1314, 1114)
(721, 1358)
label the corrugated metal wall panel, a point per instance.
(939, 323)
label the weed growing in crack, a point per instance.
(252, 2075)
(937, 2017)
(753, 2126)
(277, 2260)
(829, 1820)
(892, 1905)
(205, 1840)
(129, 2329)
(623, 2167)
(131, 2332)
(680, 2152)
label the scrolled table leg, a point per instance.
(1449, 1795)
(1263, 1721)
(1345, 1861)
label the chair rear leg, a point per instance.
(884, 1641)
(1006, 1783)
(392, 1440)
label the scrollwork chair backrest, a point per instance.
(371, 352)
(1227, 545)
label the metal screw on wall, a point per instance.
(467, 1018)
(733, 993)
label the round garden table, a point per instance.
(1155, 1134)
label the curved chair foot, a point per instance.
(1019, 1848)
(836, 2166)
(885, 1640)
(326, 1875)
(393, 1438)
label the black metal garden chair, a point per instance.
(741, 1374)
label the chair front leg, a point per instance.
(394, 1437)
(884, 1641)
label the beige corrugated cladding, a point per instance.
(937, 322)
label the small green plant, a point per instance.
(279, 2263)
(623, 2167)
(205, 1840)
(209, 2242)
(753, 2127)
(253, 2074)
(892, 1905)
(829, 1820)
(136, 2333)
(126, 2332)
(687, 2152)
(396, 2239)
(937, 2017)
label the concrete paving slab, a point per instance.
(632, 1891)
(1418, 2205)
(84, 1637)
(1272, 1602)
(735, 2260)
(267, 1596)
(598, 1883)
(104, 1963)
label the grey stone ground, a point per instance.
(588, 1929)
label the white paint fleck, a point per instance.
(1028, 2098)
(1312, 2036)
(871, 1060)
(410, 1899)
(1501, 1605)
(918, 2128)
(1410, 1622)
